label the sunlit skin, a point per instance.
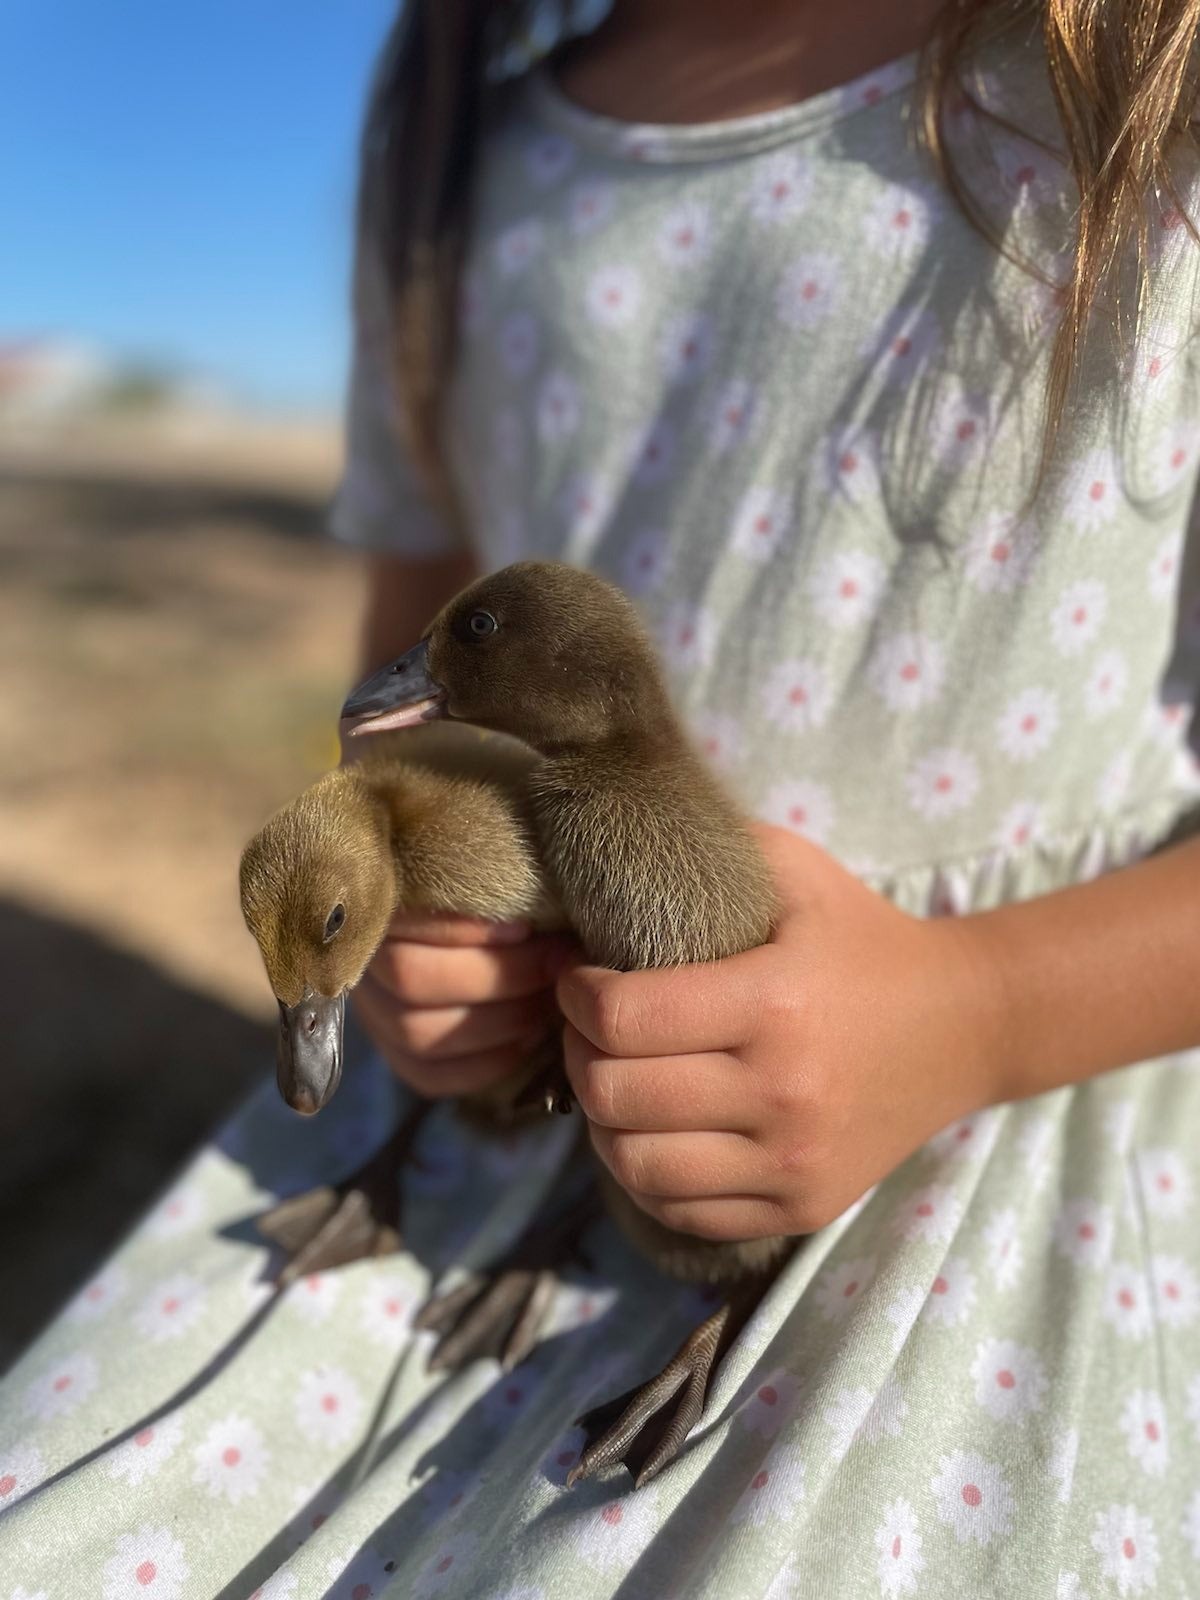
(764, 1094)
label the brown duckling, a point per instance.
(433, 822)
(652, 862)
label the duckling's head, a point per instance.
(318, 888)
(546, 652)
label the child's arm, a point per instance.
(766, 1093)
(452, 1005)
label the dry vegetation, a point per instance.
(175, 636)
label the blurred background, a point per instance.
(175, 631)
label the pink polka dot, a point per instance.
(1129, 1549)
(62, 1384)
(972, 1495)
(1152, 1432)
(1005, 1379)
(1086, 1230)
(760, 1480)
(231, 1456)
(940, 1286)
(143, 1437)
(565, 1457)
(1097, 491)
(769, 1395)
(7, 1484)
(1126, 1299)
(910, 672)
(329, 1402)
(896, 1548)
(362, 1591)
(851, 1288)
(146, 1573)
(612, 1514)
(925, 1209)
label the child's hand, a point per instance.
(454, 1005)
(764, 1094)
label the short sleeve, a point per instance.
(380, 503)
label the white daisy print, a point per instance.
(961, 425)
(509, 1398)
(229, 1462)
(1143, 1421)
(719, 739)
(780, 185)
(444, 1569)
(761, 521)
(804, 806)
(1176, 455)
(22, 1593)
(1010, 1379)
(963, 1138)
(733, 415)
(907, 671)
(549, 158)
(1165, 1181)
(686, 347)
(931, 1214)
(860, 1414)
(586, 503)
(1191, 1524)
(1083, 1232)
(775, 1490)
(942, 783)
(808, 292)
(63, 1387)
(328, 1405)
(1127, 1546)
(796, 695)
(848, 462)
(645, 562)
(839, 1289)
(1002, 1241)
(1162, 574)
(147, 1451)
(688, 636)
(170, 1309)
(613, 1534)
(846, 586)
(998, 555)
(179, 1211)
(898, 1541)
(1028, 723)
(149, 1562)
(518, 246)
(1021, 825)
(897, 222)
(1070, 1587)
(1078, 616)
(519, 343)
(1093, 496)
(386, 1310)
(559, 408)
(903, 1311)
(589, 206)
(951, 1297)
(1064, 1453)
(1106, 686)
(94, 1299)
(1176, 1294)
(1126, 1302)
(685, 234)
(904, 348)
(770, 1404)
(653, 454)
(315, 1296)
(21, 1469)
(613, 296)
(1113, 788)
(973, 1497)
(1193, 1404)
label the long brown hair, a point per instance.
(1123, 75)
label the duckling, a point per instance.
(651, 861)
(433, 822)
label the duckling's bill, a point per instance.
(400, 695)
(308, 1058)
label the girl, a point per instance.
(855, 342)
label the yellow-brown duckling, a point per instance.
(653, 864)
(432, 822)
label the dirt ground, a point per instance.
(174, 644)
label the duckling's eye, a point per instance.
(480, 624)
(333, 922)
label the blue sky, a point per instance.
(178, 182)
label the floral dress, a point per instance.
(764, 375)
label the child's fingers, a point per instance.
(453, 932)
(419, 974)
(436, 1033)
(457, 1075)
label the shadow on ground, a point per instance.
(113, 1073)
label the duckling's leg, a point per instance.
(646, 1428)
(501, 1311)
(351, 1221)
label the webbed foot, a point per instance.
(354, 1220)
(646, 1427)
(501, 1312)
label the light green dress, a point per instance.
(764, 375)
